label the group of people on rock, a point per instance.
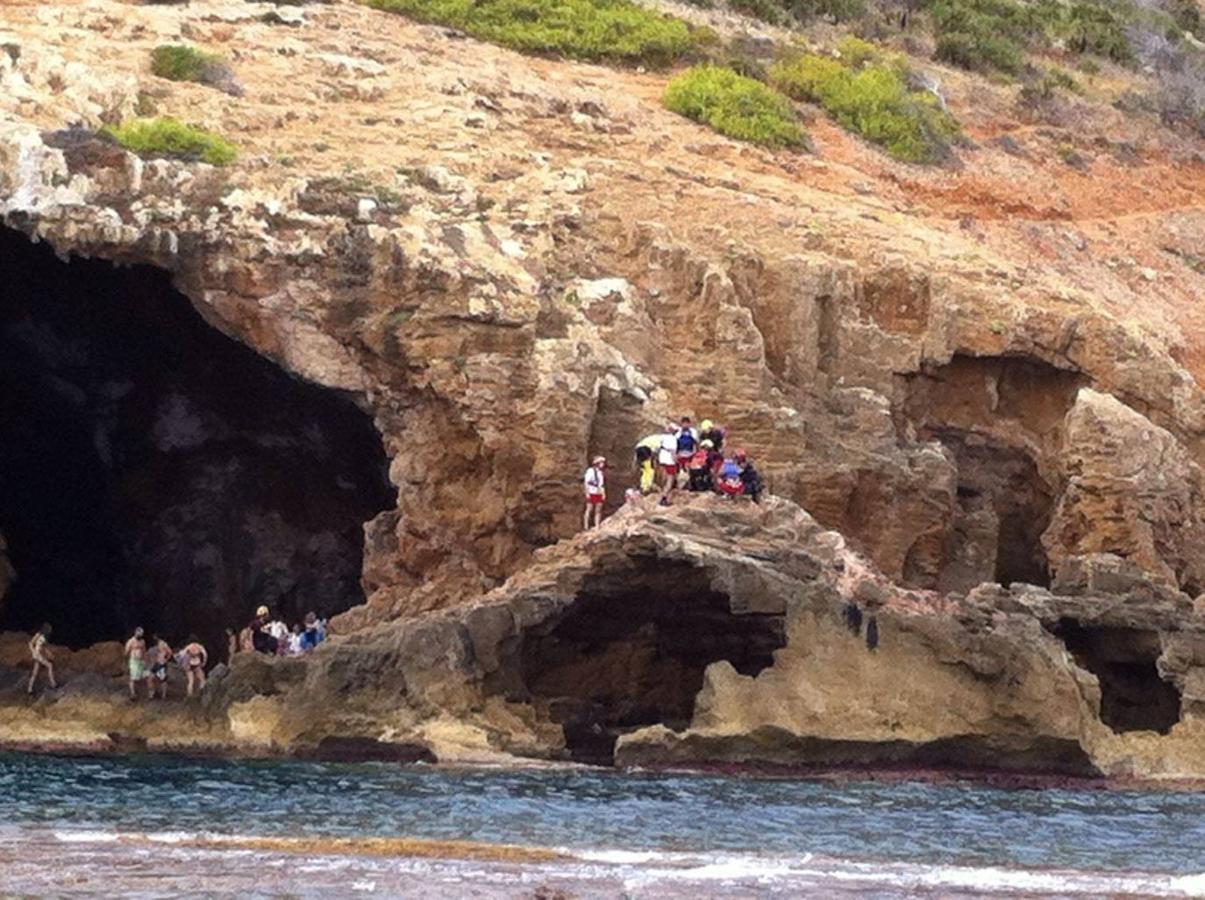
(680, 457)
(273, 637)
(147, 661)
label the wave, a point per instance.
(853, 874)
(638, 869)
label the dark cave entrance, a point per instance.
(156, 472)
(631, 652)
(1003, 485)
(1132, 695)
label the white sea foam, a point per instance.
(644, 868)
(86, 836)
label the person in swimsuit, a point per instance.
(162, 655)
(195, 659)
(135, 653)
(41, 656)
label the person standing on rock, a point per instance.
(646, 453)
(194, 657)
(41, 656)
(667, 462)
(595, 484)
(688, 443)
(161, 655)
(135, 653)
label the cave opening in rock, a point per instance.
(155, 472)
(1001, 419)
(1132, 695)
(632, 649)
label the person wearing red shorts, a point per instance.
(595, 484)
(667, 462)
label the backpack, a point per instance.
(699, 460)
(686, 441)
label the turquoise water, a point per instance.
(912, 822)
(604, 815)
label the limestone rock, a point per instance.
(1132, 490)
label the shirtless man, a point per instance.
(41, 656)
(135, 653)
(158, 672)
(194, 658)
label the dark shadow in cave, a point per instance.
(1132, 695)
(156, 472)
(997, 415)
(1006, 482)
(632, 649)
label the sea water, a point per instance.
(154, 826)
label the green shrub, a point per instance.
(1187, 16)
(767, 10)
(735, 106)
(980, 52)
(601, 30)
(854, 51)
(832, 10)
(176, 62)
(167, 137)
(1094, 29)
(873, 101)
(993, 35)
(179, 63)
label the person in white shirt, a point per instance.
(667, 461)
(595, 484)
(280, 631)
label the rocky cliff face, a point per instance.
(512, 264)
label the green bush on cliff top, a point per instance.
(167, 137)
(599, 30)
(735, 106)
(180, 63)
(871, 97)
(177, 62)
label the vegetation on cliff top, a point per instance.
(867, 92)
(598, 30)
(168, 137)
(177, 62)
(735, 106)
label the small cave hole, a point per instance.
(1132, 695)
(154, 471)
(632, 649)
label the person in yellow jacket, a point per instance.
(646, 450)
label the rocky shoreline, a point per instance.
(710, 635)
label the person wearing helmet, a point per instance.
(709, 431)
(750, 477)
(261, 640)
(595, 484)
